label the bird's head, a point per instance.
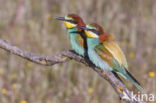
(96, 31)
(72, 21)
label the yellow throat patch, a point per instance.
(90, 34)
(69, 25)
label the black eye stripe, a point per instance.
(94, 31)
(71, 21)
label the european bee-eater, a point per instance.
(76, 35)
(105, 53)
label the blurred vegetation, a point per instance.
(29, 24)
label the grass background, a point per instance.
(29, 24)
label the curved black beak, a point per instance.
(60, 18)
(83, 27)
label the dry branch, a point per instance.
(67, 55)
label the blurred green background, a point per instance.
(29, 24)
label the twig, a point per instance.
(67, 55)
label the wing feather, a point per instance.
(104, 54)
(116, 51)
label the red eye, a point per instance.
(72, 21)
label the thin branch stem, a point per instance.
(67, 55)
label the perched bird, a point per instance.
(105, 53)
(76, 35)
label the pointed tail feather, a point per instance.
(134, 81)
(117, 76)
(132, 76)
